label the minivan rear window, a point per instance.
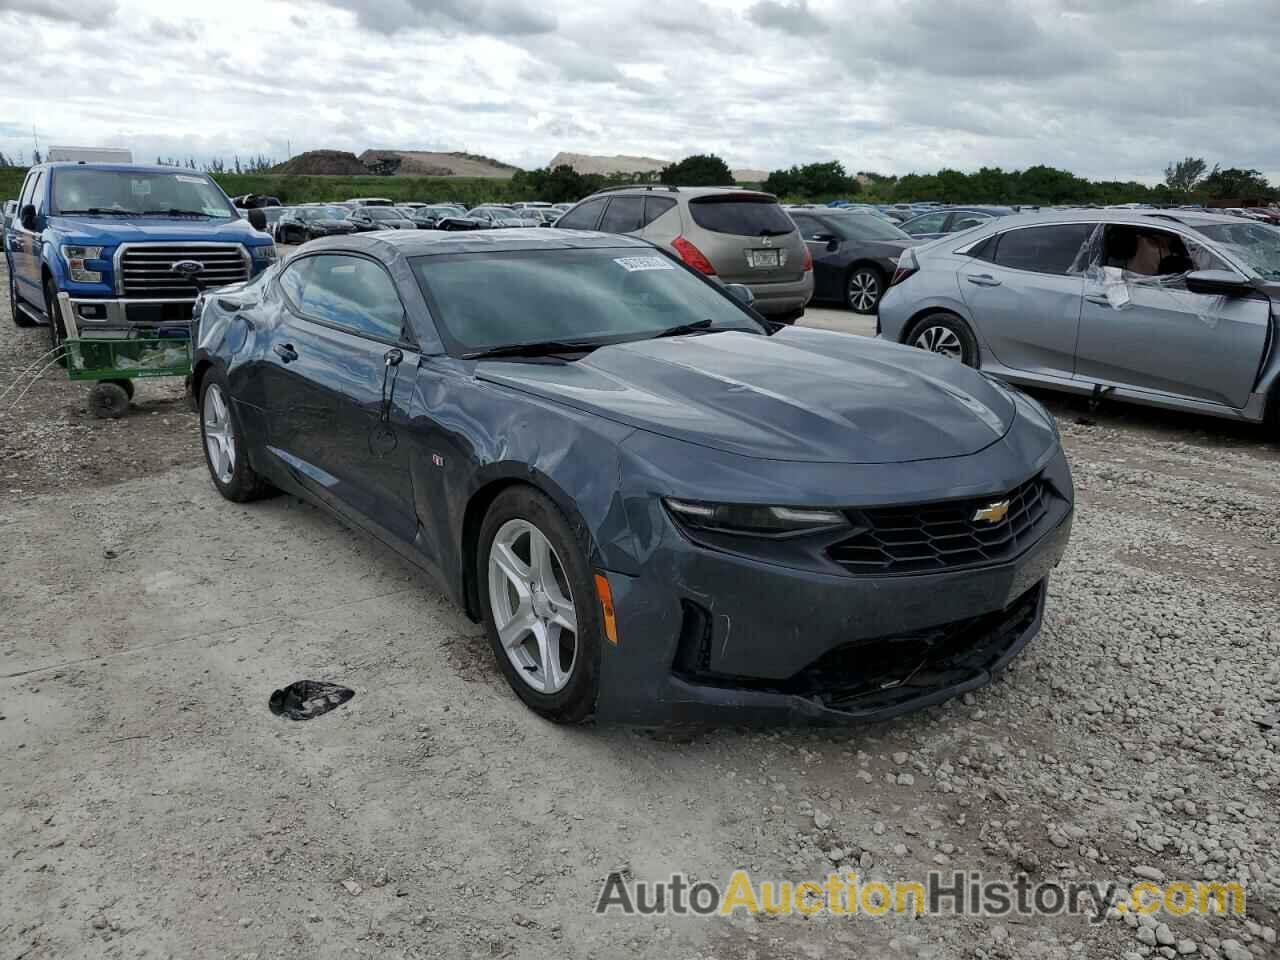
(743, 215)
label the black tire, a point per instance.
(108, 400)
(931, 333)
(57, 330)
(864, 288)
(240, 483)
(127, 385)
(576, 701)
(19, 318)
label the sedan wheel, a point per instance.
(533, 608)
(219, 437)
(940, 340)
(863, 294)
(224, 449)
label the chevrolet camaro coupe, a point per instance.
(663, 508)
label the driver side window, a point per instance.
(348, 292)
(1146, 252)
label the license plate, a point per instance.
(762, 259)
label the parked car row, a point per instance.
(1172, 308)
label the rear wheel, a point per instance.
(538, 603)
(19, 318)
(947, 334)
(863, 289)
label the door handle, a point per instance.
(983, 280)
(285, 352)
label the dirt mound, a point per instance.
(323, 163)
(422, 163)
(619, 163)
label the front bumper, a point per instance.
(821, 649)
(111, 318)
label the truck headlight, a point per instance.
(265, 253)
(76, 257)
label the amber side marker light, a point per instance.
(606, 607)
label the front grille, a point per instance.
(146, 269)
(940, 536)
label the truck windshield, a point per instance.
(83, 190)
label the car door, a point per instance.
(824, 244)
(1024, 300)
(25, 244)
(338, 381)
(1162, 338)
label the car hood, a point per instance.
(800, 395)
(112, 230)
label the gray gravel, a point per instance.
(152, 805)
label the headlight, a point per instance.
(75, 257)
(753, 520)
(265, 253)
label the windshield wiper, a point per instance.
(683, 328)
(175, 212)
(539, 348)
(98, 211)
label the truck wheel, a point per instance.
(19, 318)
(57, 331)
(108, 400)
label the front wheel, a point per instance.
(539, 605)
(57, 330)
(864, 289)
(224, 449)
(946, 334)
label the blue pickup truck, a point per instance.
(118, 250)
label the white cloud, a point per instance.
(1106, 88)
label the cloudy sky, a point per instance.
(1106, 88)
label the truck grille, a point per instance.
(938, 536)
(146, 269)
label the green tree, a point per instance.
(813, 181)
(1181, 176)
(1235, 184)
(700, 170)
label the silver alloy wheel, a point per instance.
(940, 340)
(532, 606)
(219, 439)
(864, 290)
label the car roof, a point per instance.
(396, 244)
(647, 189)
(1190, 218)
(121, 168)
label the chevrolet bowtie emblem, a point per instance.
(992, 513)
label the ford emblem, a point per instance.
(187, 268)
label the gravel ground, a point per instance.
(150, 805)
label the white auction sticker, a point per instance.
(633, 264)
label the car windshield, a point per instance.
(1256, 244)
(124, 192)
(383, 213)
(866, 226)
(599, 296)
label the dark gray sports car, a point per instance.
(662, 508)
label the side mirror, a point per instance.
(1222, 283)
(740, 292)
(257, 219)
(28, 217)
